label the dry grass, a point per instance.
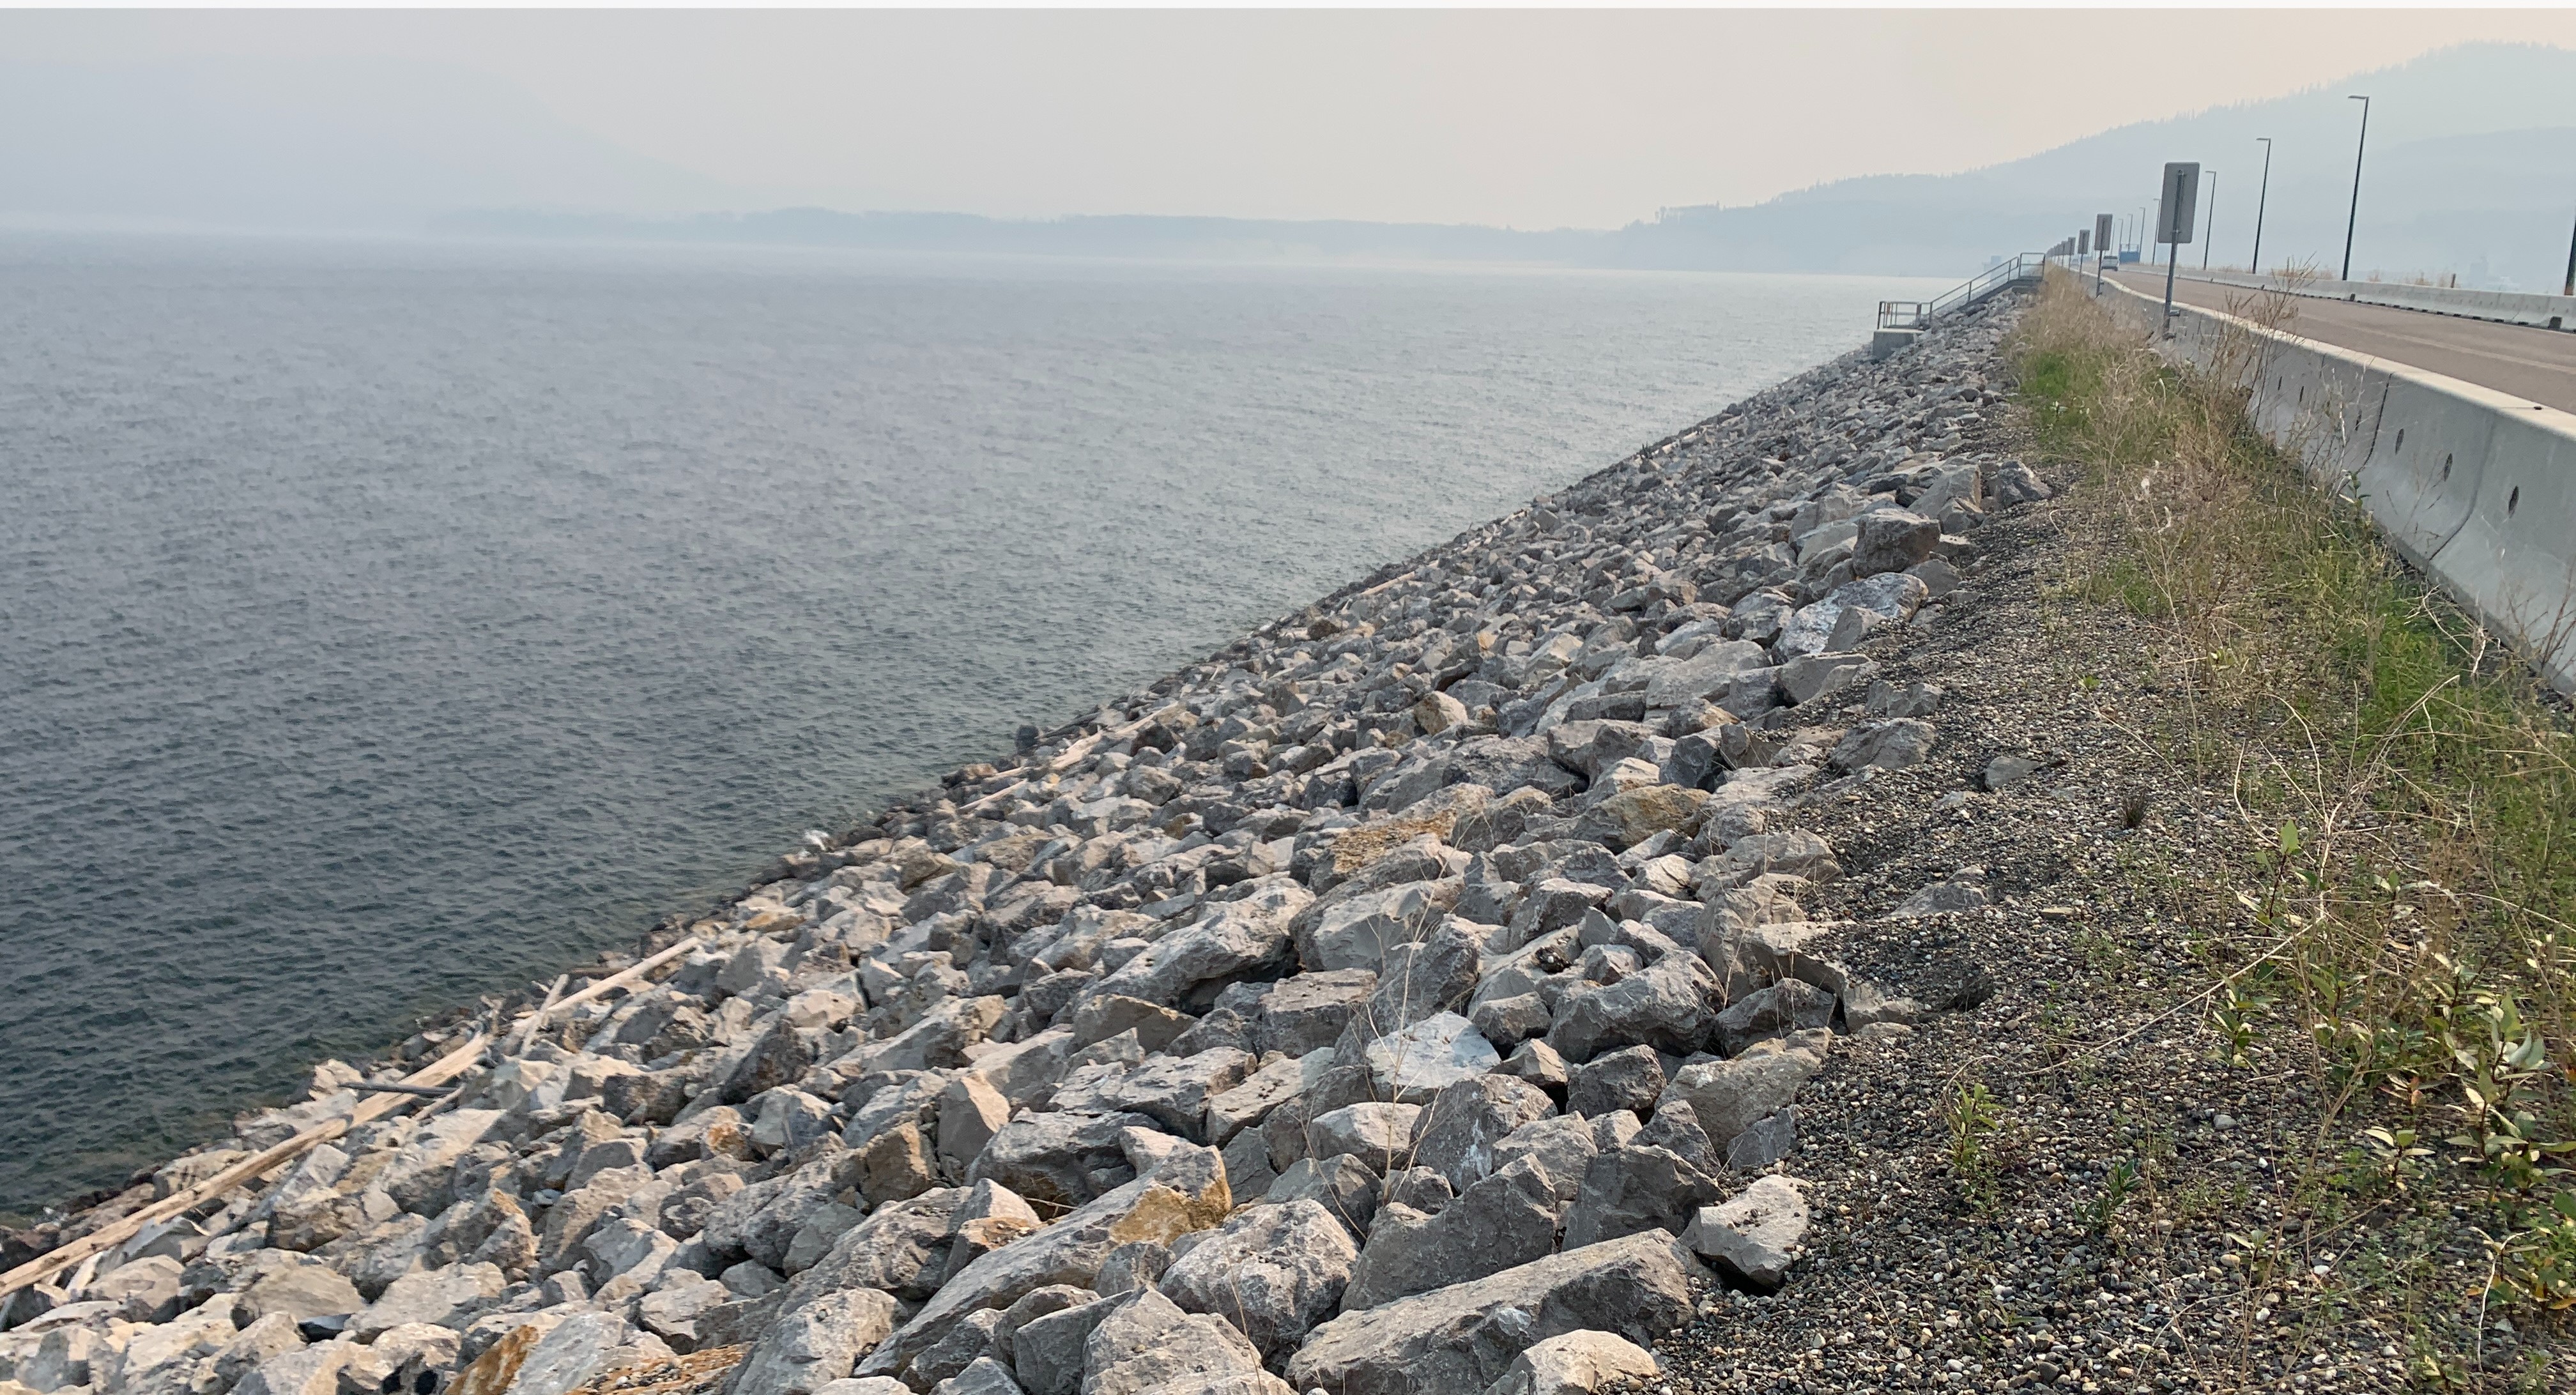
(2407, 920)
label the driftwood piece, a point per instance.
(1074, 754)
(396, 1087)
(528, 1028)
(114, 1233)
(379, 1098)
(616, 980)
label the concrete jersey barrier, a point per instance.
(2475, 487)
(2504, 307)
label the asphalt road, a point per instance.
(2536, 364)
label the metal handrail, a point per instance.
(1916, 314)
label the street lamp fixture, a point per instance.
(2209, 224)
(2354, 219)
(2259, 201)
(2570, 287)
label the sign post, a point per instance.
(2175, 213)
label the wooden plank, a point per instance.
(528, 1027)
(1075, 753)
(371, 1106)
(624, 977)
(114, 1233)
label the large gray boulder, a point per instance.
(1457, 1132)
(1059, 1158)
(1728, 1097)
(970, 1340)
(902, 1248)
(1638, 1187)
(1891, 596)
(807, 1349)
(419, 1177)
(1754, 1236)
(1102, 1016)
(1434, 1053)
(1239, 938)
(1576, 1363)
(313, 1370)
(971, 1110)
(1251, 1101)
(1342, 1185)
(443, 1297)
(1307, 1012)
(1378, 1134)
(1563, 1144)
(1668, 1006)
(1180, 1191)
(1504, 764)
(986, 1376)
(1507, 1219)
(1047, 1351)
(1274, 1271)
(1787, 1006)
(1174, 1092)
(1889, 745)
(672, 1311)
(579, 1348)
(1465, 1336)
(1352, 932)
(300, 1291)
(1628, 1078)
(1148, 1341)
(1433, 974)
(1706, 672)
(1893, 540)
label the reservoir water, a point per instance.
(387, 623)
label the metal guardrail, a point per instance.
(1915, 314)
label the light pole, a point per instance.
(2209, 225)
(2259, 201)
(2570, 288)
(2354, 219)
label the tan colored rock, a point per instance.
(971, 1111)
(1638, 814)
(895, 1165)
(1436, 713)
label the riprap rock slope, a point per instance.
(1414, 996)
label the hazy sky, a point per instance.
(1521, 118)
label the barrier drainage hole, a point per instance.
(2401, 438)
(2513, 501)
(2446, 463)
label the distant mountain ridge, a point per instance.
(2472, 169)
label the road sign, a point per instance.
(2102, 231)
(2084, 242)
(2178, 209)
